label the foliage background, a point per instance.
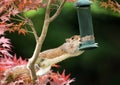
(100, 66)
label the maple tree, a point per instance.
(12, 19)
(13, 70)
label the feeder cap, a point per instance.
(83, 3)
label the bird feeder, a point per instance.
(85, 24)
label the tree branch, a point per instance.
(40, 41)
(58, 11)
(33, 29)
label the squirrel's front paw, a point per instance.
(43, 71)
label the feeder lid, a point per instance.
(83, 3)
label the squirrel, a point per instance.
(47, 59)
(52, 56)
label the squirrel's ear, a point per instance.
(67, 40)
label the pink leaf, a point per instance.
(2, 28)
(6, 45)
(4, 40)
(14, 12)
(4, 18)
(5, 52)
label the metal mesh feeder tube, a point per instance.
(85, 24)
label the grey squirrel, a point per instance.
(52, 56)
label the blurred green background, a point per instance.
(100, 66)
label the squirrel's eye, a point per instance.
(72, 38)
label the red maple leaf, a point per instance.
(55, 79)
(2, 28)
(4, 40)
(9, 62)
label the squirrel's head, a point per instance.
(74, 38)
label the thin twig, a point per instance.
(58, 11)
(16, 19)
(33, 29)
(21, 17)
